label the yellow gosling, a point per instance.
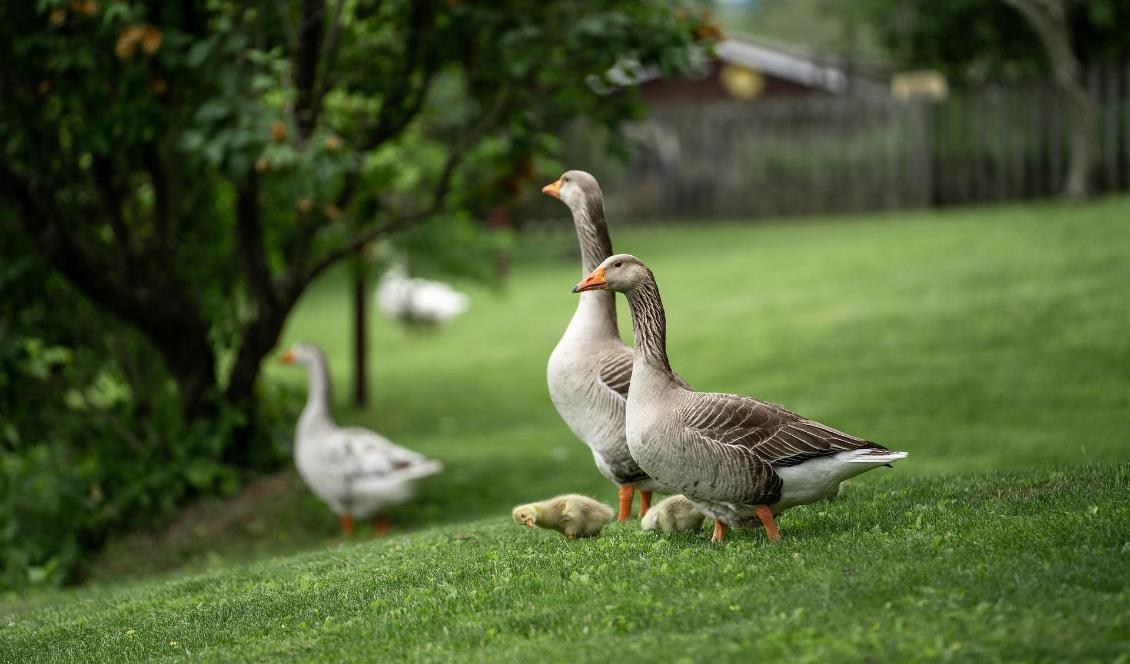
(571, 515)
(675, 514)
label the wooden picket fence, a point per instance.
(812, 155)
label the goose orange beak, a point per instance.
(529, 523)
(594, 281)
(287, 357)
(552, 189)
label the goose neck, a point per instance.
(316, 413)
(649, 325)
(592, 236)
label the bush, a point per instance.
(91, 434)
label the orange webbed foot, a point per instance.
(720, 530)
(645, 502)
(766, 516)
(626, 493)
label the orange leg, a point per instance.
(346, 525)
(719, 531)
(626, 493)
(380, 526)
(645, 502)
(766, 516)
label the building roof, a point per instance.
(781, 64)
(795, 68)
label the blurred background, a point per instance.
(900, 217)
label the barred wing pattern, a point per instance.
(612, 381)
(616, 372)
(761, 435)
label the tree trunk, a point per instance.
(192, 363)
(258, 338)
(153, 302)
(1049, 18)
(360, 330)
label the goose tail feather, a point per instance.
(877, 456)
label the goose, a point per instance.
(356, 472)
(740, 460)
(418, 302)
(590, 368)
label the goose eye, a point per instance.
(618, 264)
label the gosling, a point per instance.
(571, 515)
(675, 514)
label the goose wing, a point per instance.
(367, 457)
(759, 435)
(616, 372)
(776, 435)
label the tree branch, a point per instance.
(383, 132)
(439, 192)
(249, 233)
(329, 50)
(109, 196)
(400, 105)
(162, 199)
(306, 57)
(392, 117)
(153, 303)
(284, 21)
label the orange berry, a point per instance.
(150, 39)
(278, 131)
(127, 41)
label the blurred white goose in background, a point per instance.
(418, 302)
(355, 471)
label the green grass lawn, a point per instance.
(993, 344)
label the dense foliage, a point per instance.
(92, 438)
(977, 40)
(174, 176)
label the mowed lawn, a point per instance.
(993, 344)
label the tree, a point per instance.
(192, 167)
(1049, 19)
(975, 40)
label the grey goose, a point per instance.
(590, 369)
(739, 459)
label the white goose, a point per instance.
(740, 460)
(355, 471)
(590, 369)
(418, 302)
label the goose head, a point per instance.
(525, 515)
(576, 189)
(621, 273)
(302, 353)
